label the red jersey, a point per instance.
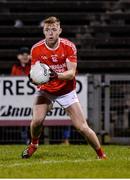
(56, 59)
(18, 70)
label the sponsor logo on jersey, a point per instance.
(59, 68)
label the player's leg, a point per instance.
(77, 116)
(40, 109)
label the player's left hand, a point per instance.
(53, 75)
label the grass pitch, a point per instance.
(60, 161)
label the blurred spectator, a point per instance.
(66, 135)
(22, 68)
(18, 23)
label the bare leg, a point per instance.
(77, 116)
(40, 109)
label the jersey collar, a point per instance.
(53, 49)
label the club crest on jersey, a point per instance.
(54, 58)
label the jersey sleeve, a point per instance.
(34, 55)
(71, 53)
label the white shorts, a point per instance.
(64, 100)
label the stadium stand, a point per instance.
(99, 28)
(100, 33)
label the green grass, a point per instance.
(59, 161)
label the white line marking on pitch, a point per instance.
(45, 162)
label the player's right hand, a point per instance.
(30, 79)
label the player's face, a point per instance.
(52, 32)
(24, 58)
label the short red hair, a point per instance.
(51, 20)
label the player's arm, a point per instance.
(71, 63)
(70, 73)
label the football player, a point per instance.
(60, 55)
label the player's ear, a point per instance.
(60, 31)
(43, 31)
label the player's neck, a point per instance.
(52, 45)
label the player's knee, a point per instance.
(83, 128)
(37, 121)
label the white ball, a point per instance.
(40, 73)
